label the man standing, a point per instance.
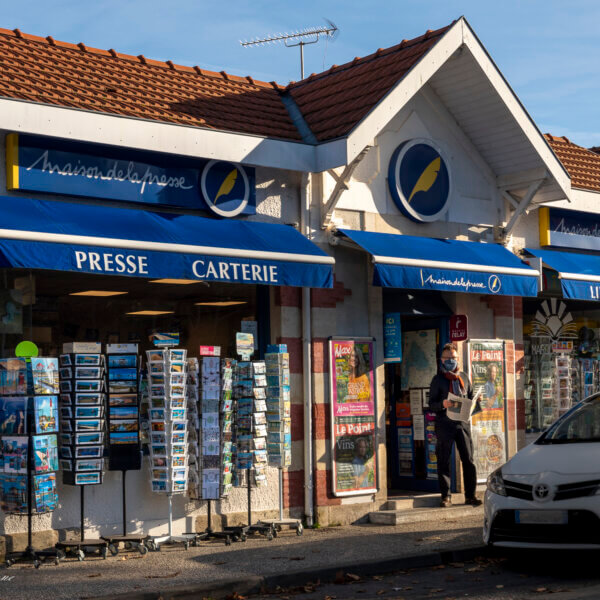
(450, 379)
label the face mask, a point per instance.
(450, 364)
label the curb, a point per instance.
(255, 584)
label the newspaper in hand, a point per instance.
(461, 407)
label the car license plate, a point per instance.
(542, 517)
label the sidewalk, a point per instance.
(214, 570)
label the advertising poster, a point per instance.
(353, 416)
(419, 363)
(488, 426)
(392, 338)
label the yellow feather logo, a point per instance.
(428, 177)
(227, 185)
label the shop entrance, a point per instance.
(411, 458)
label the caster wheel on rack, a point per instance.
(104, 552)
(56, 561)
(299, 530)
(243, 537)
(228, 541)
(80, 555)
(113, 549)
(236, 538)
(275, 532)
(61, 554)
(143, 550)
(186, 545)
(36, 564)
(9, 563)
(269, 537)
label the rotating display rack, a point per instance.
(82, 426)
(28, 438)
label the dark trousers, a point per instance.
(447, 434)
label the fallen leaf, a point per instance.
(95, 575)
(499, 587)
(436, 590)
(541, 590)
(352, 577)
(381, 592)
(297, 557)
(308, 589)
(168, 576)
(330, 597)
(457, 565)
(473, 569)
(223, 562)
(438, 567)
(377, 577)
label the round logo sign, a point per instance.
(225, 188)
(419, 180)
(494, 284)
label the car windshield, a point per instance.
(580, 424)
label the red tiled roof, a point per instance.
(583, 165)
(51, 72)
(335, 101)
(47, 71)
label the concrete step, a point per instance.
(415, 515)
(409, 501)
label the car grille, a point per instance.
(518, 490)
(583, 528)
(577, 490)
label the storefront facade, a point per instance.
(247, 216)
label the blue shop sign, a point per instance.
(392, 338)
(419, 181)
(569, 228)
(63, 167)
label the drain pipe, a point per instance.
(305, 197)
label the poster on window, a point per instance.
(488, 427)
(352, 399)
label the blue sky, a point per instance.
(547, 49)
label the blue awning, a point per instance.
(65, 236)
(579, 273)
(404, 261)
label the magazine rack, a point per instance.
(82, 406)
(46, 387)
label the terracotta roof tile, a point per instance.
(75, 75)
(333, 102)
(583, 165)
(49, 71)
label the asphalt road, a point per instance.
(565, 575)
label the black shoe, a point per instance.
(446, 502)
(473, 501)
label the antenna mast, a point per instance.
(297, 38)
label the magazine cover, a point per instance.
(45, 375)
(13, 376)
(13, 416)
(45, 413)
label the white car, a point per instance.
(548, 494)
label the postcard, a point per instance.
(122, 360)
(157, 390)
(155, 355)
(45, 413)
(44, 487)
(13, 493)
(65, 386)
(96, 464)
(123, 412)
(123, 400)
(158, 450)
(89, 412)
(89, 425)
(87, 478)
(45, 453)
(65, 452)
(179, 449)
(66, 439)
(179, 426)
(177, 403)
(65, 425)
(177, 355)
(178, 379)
(179, 485)
(13, 376)
(122, 387)
(157, 402)
(14, 450)
(88, 451)
(88, 372)
(65, 465)
(13, 416)
(129, 425)
(159, 462)
(159, 486)
(160, 474)
(45, 375)
(126, 374)
(178, 414)
(178, 366)
(89, 399)
(156, 368)
(178, 391)
(179, 461)
(123, 437)
(178, 437)
(158, 437)
(65, 399)
(95, 437)
(157, 426)
(65, 373)
(89, 385)
(157, 414)
(65, 360)
(88, 360)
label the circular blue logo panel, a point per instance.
(225, 188)
(419, 180)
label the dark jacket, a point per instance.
(438, 392)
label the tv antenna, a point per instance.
(297, 38)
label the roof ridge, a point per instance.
(142, 60)
(377, 54)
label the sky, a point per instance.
(546, 49)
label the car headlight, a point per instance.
(495, 483)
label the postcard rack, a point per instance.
(124, 442)
(29, 446)
(82, 424)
